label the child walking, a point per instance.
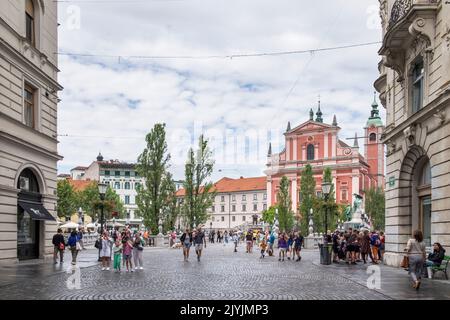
(263, 246)
(117, 250)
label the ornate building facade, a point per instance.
(414, 87)
(28, 128)
(317, 143)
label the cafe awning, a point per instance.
(36, 211)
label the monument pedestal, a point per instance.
(159, 240)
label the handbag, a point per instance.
(405, 262)
(78, 246)
(61, 246)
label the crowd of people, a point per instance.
(352, 246)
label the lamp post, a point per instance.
(210, 226)
(326, 188)
(102, 191)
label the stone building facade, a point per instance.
(414, 87)
(236, 203)
(28, 128)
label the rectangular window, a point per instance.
(255, 207)
(127, 199)
(222, 208)
(264, 206)
(222, 219)
(417, 86)
(233, 197)
(213, 208)
(29, 26)
(30, 106)
(213, 219)
(222, 198)
(244, 197)
(117, 173)
(233, 218)
(255, 197)
(243, 218)
(107, 173)
(244, 208)
(127, 173)
(344, 195)
(233, 208)
(136, 175)
(265, 196)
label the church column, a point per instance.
(325, 152)
(294, 194)
(303, 153)
(288, 149)
(295, 150)
(316, 151)
(333, 146)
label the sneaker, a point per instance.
(135, 268)
(103, 269)
(289, 258)
(141, 268)
(55, 262)
(279, 259)
(74, 263)
(107, 269)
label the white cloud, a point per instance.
(105, 98)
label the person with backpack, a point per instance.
(375, 244)
(271, 242)
(186, 241)
(73, 243)
(59, 247)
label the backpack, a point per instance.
(98, 244)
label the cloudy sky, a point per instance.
(240, 104)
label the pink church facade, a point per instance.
(318, 144)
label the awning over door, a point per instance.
(36, 211)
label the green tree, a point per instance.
(375, 207)
(285, 214)
(89, 200)
(269, 215)
(199, 191)
(327, 207)
(152, 165)
(67, 201)
(307, 196)
(170, 208)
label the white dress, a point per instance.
(106, 248)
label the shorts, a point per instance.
(199, 246)
(350, 248)
(249, 242)
(283, 249)
(298, 248)
(187, 245)
(127, 257)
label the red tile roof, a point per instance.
(80, 185)
(235, 185)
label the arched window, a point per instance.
(28, 181)
(127, 185)
(372, 137)
(310, 152)
(30, 22)
(117, 185)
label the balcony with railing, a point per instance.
(409, 21)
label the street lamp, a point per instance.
(102, 191)
(80, 217)
(326, 188)
(210, 226)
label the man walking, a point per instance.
(59, 246)
(199, 241)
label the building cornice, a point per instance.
(434, 107)
(27, 144)
(29, 65)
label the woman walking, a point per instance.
(290, 242)
(282, 245)
(365, 247)
(138, 248)
(186, 241)
(415, 250)
(105, 252)
(73, 243)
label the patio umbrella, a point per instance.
(90, 225)
(70, 225)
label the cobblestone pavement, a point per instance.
(221, 274)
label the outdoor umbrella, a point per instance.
(70, 225)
